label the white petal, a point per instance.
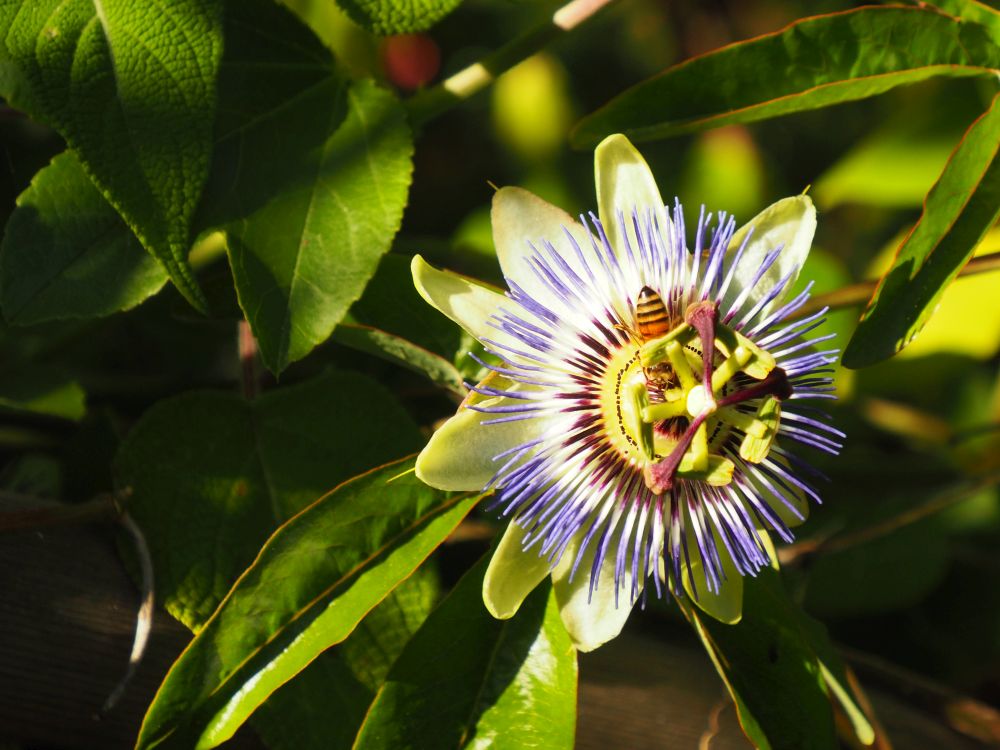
(459, 456)
(625, 184)
(790, 222)
(512, 574)
(591, 621)
(521, 219)
(464, 301)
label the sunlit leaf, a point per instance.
(66, 252)
(309, 179)
(323, 707)
(311, 584)
(132, 90)
(811, 63)
(213, 474)
(386, 17)
(469, 680)
(41, 390)
(958, 211)
(967, 298)
(974, 10)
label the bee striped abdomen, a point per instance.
(651, 317)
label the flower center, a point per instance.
(673, 402)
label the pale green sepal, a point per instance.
(790, 222)
(467, 303)
(772, 553)
(725, 606)
(521, 220)
(459, 456)
(591, 622)
(625, 184)
(512, 574)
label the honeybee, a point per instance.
(651, 320)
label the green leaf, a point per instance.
(132, 90)
(323, 707)
(212, 474)
(958, 211)
(973, 10)
(311, 584)
(393, 322)
(391, 302)
(42, 390)
(775, 665)
(386, 17)
(467, 679)
(811, 63)
(402, 352)
(66, 252)
(309, 179)
(865, 579)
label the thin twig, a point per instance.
(436, 100)
(961, 713)
(854, 295)
(101, 508)
(144, 618)
(710, 733)
(936, 504)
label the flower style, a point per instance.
(634, 426)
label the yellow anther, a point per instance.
(759, 365)
(668, 410)
(682, 368)
(635, 401)
(718, 471)
(732, 365)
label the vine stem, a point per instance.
(858, 294)
(935, 504)
(438, 99)
(35, 513)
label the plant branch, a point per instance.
(935, 504)
(961, 713)
(106, 507)
(144, 617)
(438, 99)
(858, 294)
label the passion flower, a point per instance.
(644, 387)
